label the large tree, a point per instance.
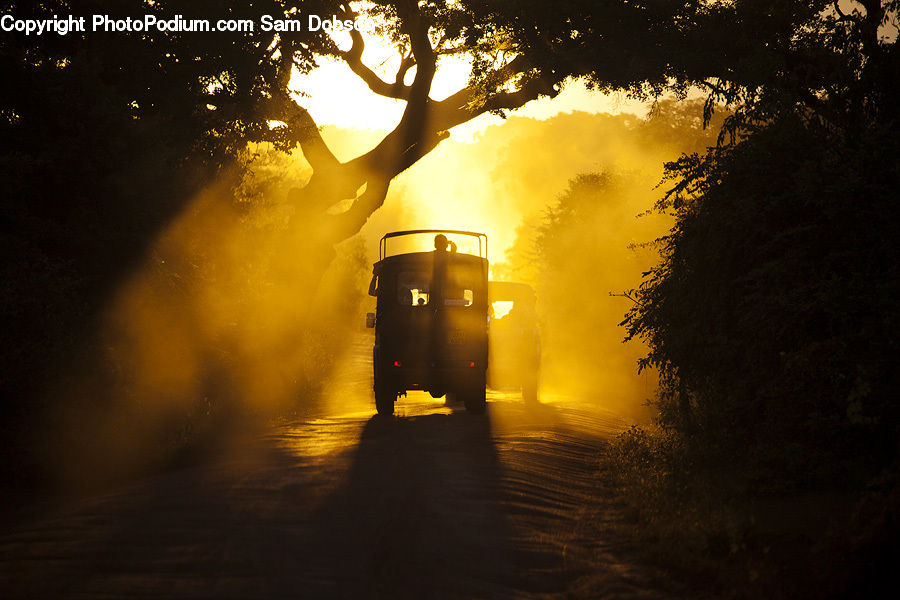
(107, 135)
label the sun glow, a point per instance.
(334, 95)
(444, 189)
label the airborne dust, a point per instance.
(238, 314)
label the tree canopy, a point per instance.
(106, 136)
(770, 315)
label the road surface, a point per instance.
(434, 503)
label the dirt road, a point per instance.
(435, 503)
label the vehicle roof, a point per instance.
(382, 245)
(412, 231)
(510, 290)
(425, 259)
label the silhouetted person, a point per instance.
(439, 271)
(438, 278)
(452, 247)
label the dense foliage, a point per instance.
(104, 138)
(585, 245)
(772, 317)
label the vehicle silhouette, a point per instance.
(515, 341)
(431, 320)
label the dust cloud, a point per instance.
(560, 201)
(240, 313)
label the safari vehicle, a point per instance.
(431, 319)
(515, 341)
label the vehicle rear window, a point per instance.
(500, 308)
(458, 297)
(462, 280)
(413, 288)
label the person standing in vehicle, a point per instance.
(438, 279)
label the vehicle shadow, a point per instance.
(420, 514)
(414, 507)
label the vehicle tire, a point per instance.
(384, 400)
(475, 399)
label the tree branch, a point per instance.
(424, 124)
(837, 9)
(353, 58)
(869, 26)
(453, 111)
(415, 26)
(510, 100)
(468, 95)
(385, 159)
(717, 89)
(407, 62)
(303, 130)
(349, 222)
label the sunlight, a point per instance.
(334, 95)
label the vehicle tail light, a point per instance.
(397, 363)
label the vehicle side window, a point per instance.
(413, 288)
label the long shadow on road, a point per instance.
(452, 505)
(420, 514)
(436, 504)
